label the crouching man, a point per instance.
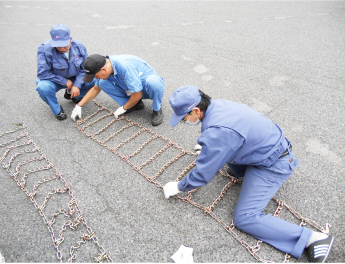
(127, 79)
(60, 64)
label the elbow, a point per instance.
(41, 73)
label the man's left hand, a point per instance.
(119, 111)
(170, 189)
(75, 92)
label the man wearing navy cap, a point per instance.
(127, 79)
(254, 148)
(60, 64)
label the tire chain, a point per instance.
(74, 209)
(188, 199)
(152, 179)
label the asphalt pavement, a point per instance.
(284, 59)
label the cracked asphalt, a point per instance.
(284, 59)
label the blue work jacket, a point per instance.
(130, 72)
(52, 65)
(236, 134)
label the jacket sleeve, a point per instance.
(45, 68)
(218, 146)
(79, 78)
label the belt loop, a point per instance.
(289, 147)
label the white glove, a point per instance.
(197, 148)
(183, 255)
(170, 189)
(76, 112)
(119, 111)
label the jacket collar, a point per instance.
(205, 114)
(112, 64)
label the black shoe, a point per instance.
(62, 115)
(76, 101)
(139, 106)
(230, 172)
(67, 94)
(157, 117)
(319, 250)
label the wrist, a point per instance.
(177, 187)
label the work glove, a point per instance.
(197, 148)
(170, 189)
(119, 111)
(76, 112)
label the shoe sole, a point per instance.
(329, 250)
(157, 124)
(61, 118)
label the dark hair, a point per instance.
(205, 101)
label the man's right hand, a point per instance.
(69, 84)
(76, 113)
(197, 148)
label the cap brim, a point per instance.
(60, 43)
(175, 119)
(88, 77)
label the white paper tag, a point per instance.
(183, 255)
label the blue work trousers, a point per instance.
(152, 89)
(259, 185)
(47, 91)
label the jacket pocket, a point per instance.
(77, 62)
(60, 70)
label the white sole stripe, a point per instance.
(320, 255)
(322, 246)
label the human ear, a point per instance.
(196, 110)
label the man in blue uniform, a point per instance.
(254, 148)
(60, 65)
(127, 79)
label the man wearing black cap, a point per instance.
(127, 79)
(60, 65)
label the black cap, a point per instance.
(92, 65)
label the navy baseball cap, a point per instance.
(182, 101)
(60, 36)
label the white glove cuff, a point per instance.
(197, 147)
